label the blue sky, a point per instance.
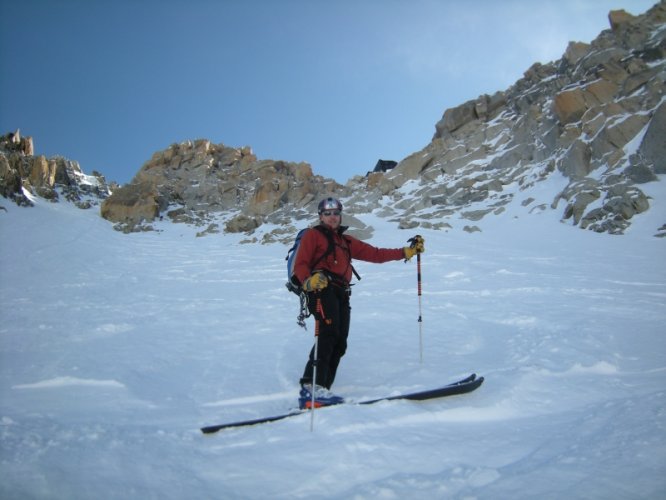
(336, 83)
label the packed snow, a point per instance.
(115, 349)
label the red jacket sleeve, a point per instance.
(366, 252)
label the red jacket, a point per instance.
(314, 244)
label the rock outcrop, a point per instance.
(188, 182)
(23, 175)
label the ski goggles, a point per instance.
(328, 213)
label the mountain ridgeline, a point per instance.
(591, 123)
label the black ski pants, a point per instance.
(333, 331)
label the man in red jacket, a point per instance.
(323, 268)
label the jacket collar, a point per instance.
(341, 230)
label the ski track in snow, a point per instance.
(68, 382)
(117, 348)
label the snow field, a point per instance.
(115, 349)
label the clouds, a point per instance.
(483, 46)
(454, 40)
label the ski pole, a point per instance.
(418, 279)
(314, 361)
(413, 241)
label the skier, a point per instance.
(323, 268)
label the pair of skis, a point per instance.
(462, 386)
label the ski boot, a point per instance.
(322, 397)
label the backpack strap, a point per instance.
(331, 246)
(358, 276)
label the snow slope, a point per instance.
(115, 349)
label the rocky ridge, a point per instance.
(591, 123)
(595, 120)
(206, 184)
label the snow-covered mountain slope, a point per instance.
(115, 349)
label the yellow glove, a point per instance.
(417, 246)
(318, 281)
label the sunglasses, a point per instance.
(328, 213)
